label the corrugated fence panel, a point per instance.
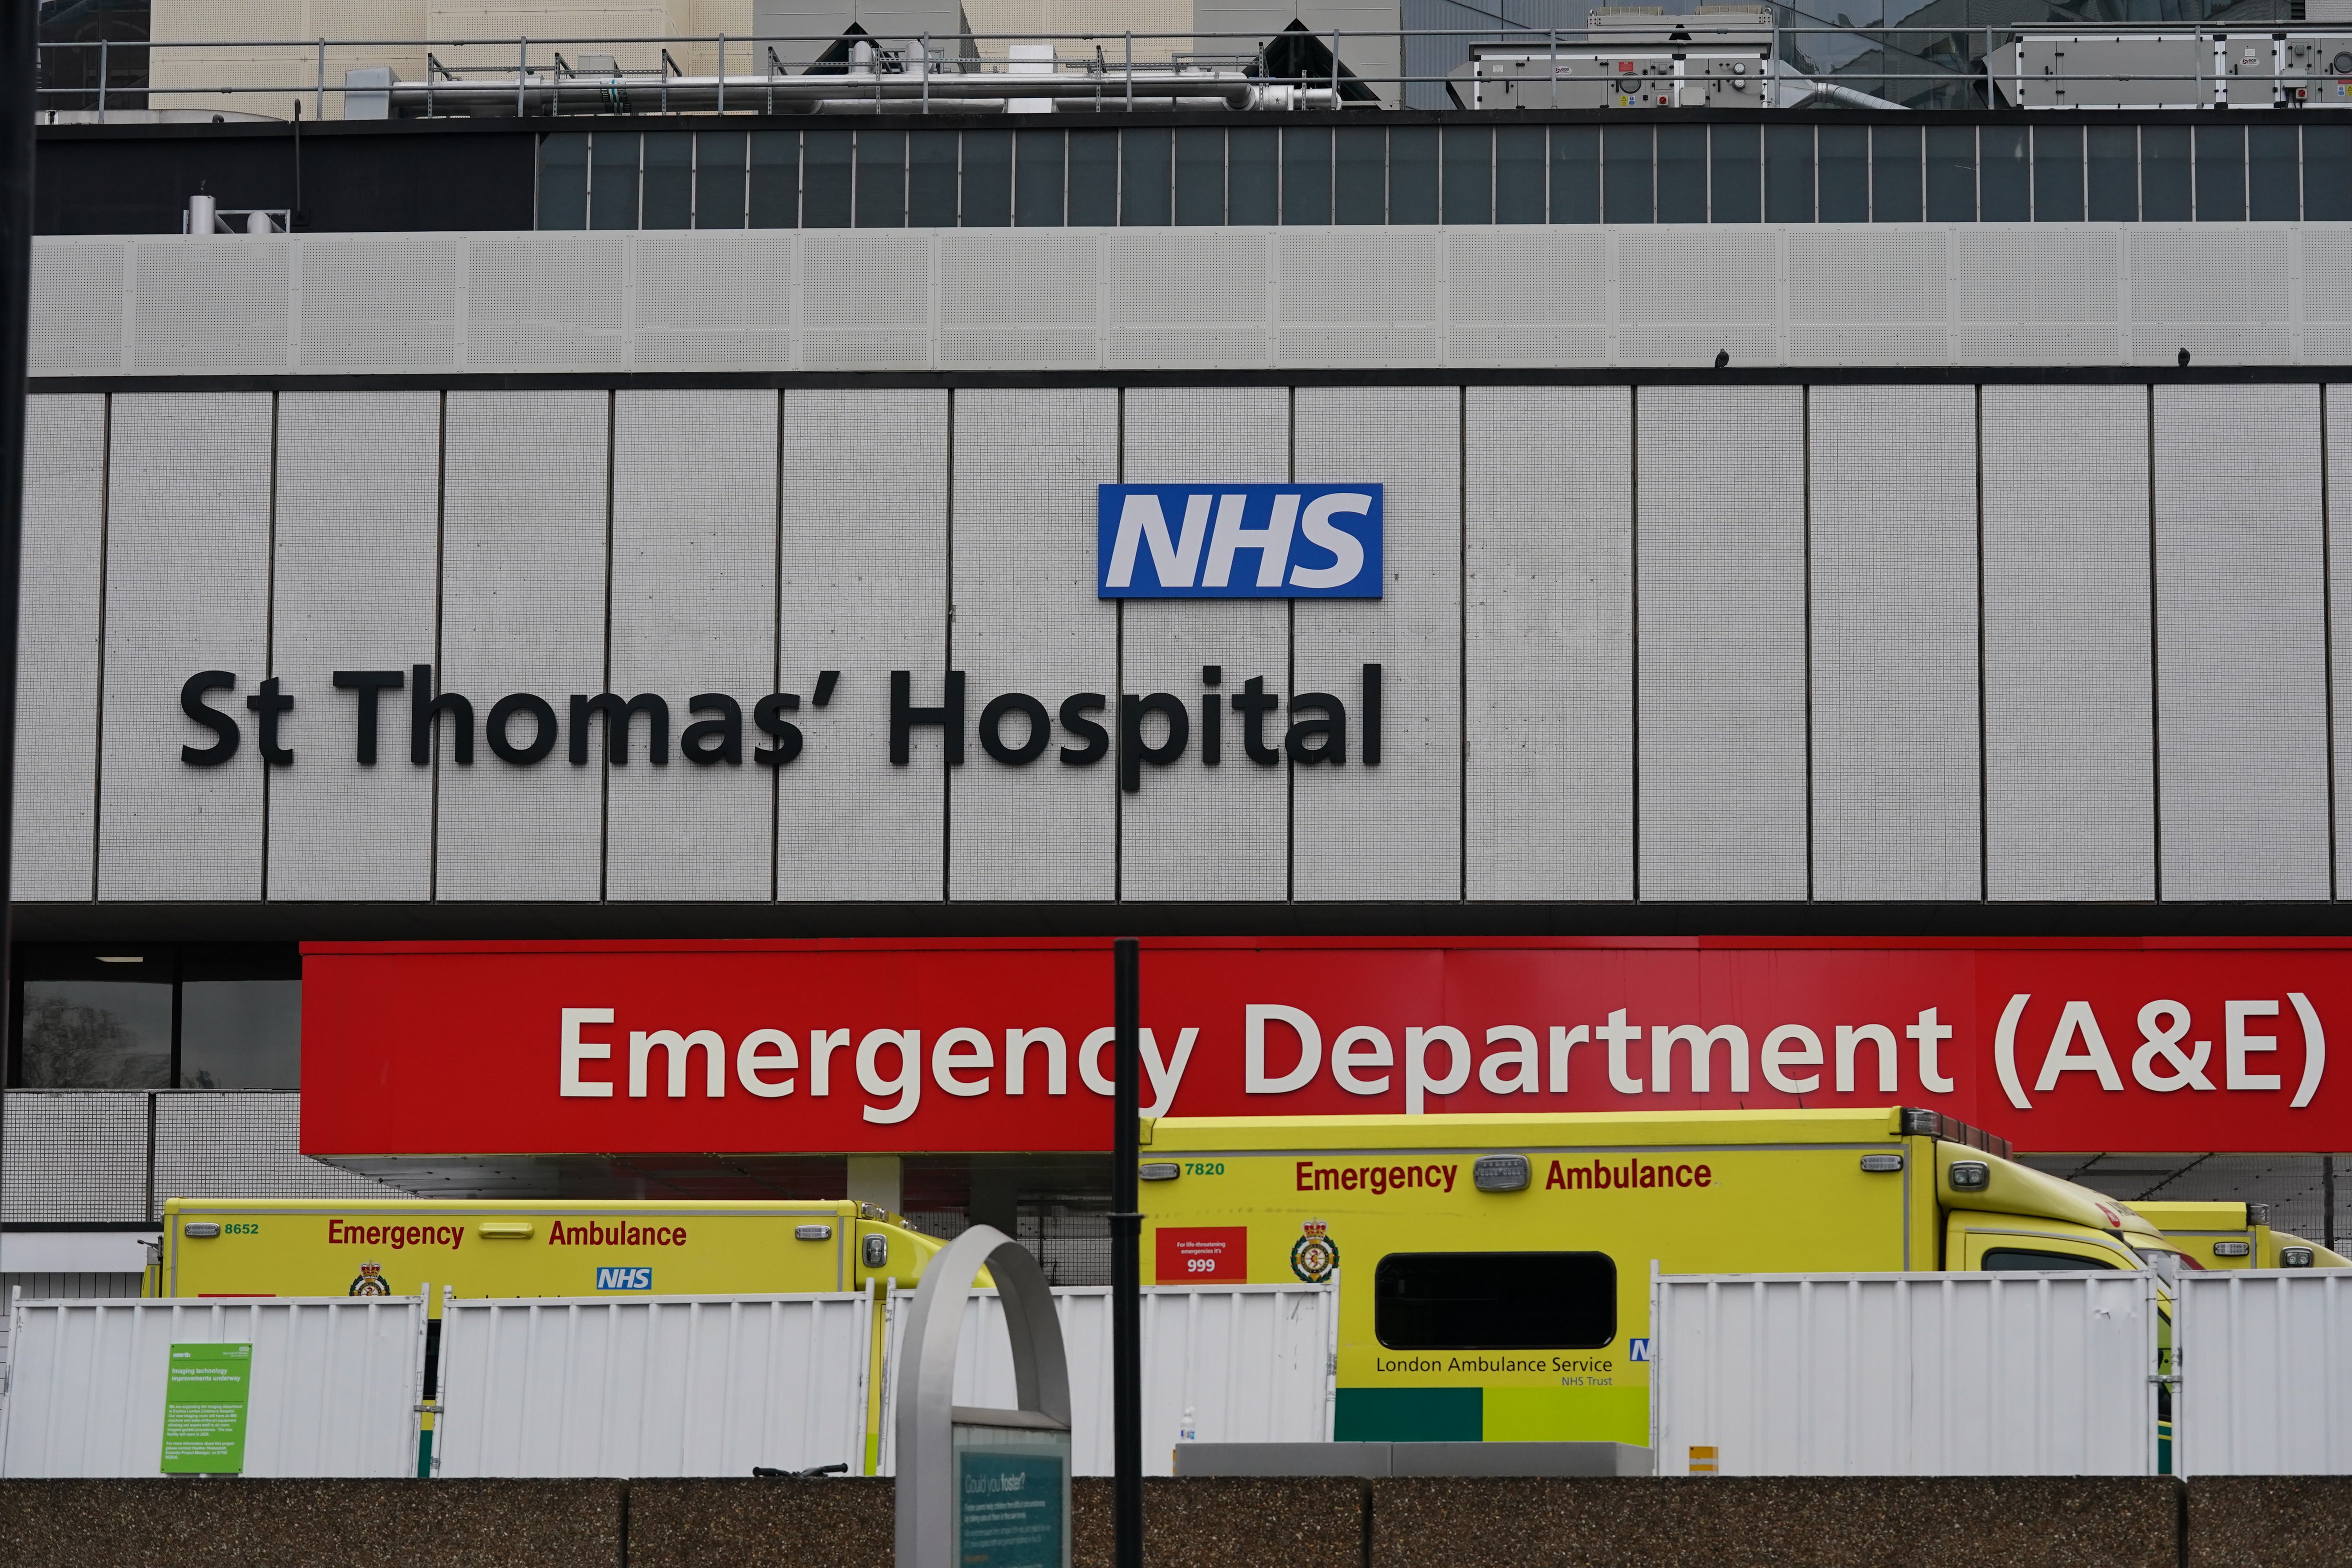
(1894, 643)
(662, 1387)
(1889, 1375)
(56, 685)
(2265, 1368)
(1027, 620)
(2069, 737)
(2241, 671)
(1721, 653)
(333, 1383)
(1547, 565)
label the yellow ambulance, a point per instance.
(2235, 1235)
(1495, 1270)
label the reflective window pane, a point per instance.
(881, 179)
(1951, 174)
(987, 179)
(1844, 195)
(99, 1033)
(2057, 174)
(718, 180)
(1519, 174)
(1789, 174)
(563, 182)
(1628, 184)
(775, 179)
(1682, 173)
(1094, 179)
(2221, 174)
(1360, 191)
(1037, 178)
(824, 179)
(1252, 176)
(1143, 177)
(669, 179)
(2112, 153)
(1412, 174)
(1306, 175)
(1199, 176)
(1894, 192)
(932, 179)
(2004, 181)
(613, 179)
(2272, 181)
(2326, 174)
(2165, 187)
(1469, 178)
(1735, 192)
(241, 1017)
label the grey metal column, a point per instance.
(1126, 1266)
(19, 62)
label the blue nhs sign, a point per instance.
(1238, 542)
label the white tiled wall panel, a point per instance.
(1027, 620)
(57, 669)
(1721, 643)
(1193, 832)
(863, 590)
(1548, 693)
(1395, 831)
(522, 610)
(1894, 554)
(2069, 737)
(356, 580)
(694, 612)
(2242, 695)
(187, 589)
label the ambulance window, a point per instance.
(1494, 1300)
(2009, 1257)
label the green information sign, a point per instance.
(1013, 1498)
(205, 1397)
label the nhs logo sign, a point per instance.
(1238, 542)
(625, 1280)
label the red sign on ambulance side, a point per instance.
(1202, 1253)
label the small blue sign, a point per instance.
(625, 1280)
(1641, 1348)
(1238, 542)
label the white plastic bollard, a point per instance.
(203, 212)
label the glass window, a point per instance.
(1494, 1300)
(612, 181)
(2164, 181)
(1469, 178)
(1143, 188)
(563, 182)
(1037, 177)
(95, 1019)
(2326, 174)
(1951, 174)
(1253, 177)
(1735, 178)
(1094, 179)
(718, 180)
(2220, 173)
(1895, 194)
(2273, 182)
(1789, 174)
(987, 179)
(2004, 185)
(2057, 174)
(2003, 1258)
(2112, 153)
(669, 179)
(1519, 174)
(1844, 193)
(241, 1017)
(1682, 173)
(1199, 176)
(881, 179)
(1306, 175)
(932, 179)
(1359, 174)
(1628, 178)
(824, 179)
(775, 179)
(1412, 174)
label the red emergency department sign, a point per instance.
(787, 1047)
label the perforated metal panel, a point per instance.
(2069, 744)
(522, 610)
(243, 1146)
(78, 307)
(212, 306)
(2036, 294)
(2339, 568)
(58, 668)
(2174, 304)
(1020, 298)
(694, 611)
(1027, 620)
(866, 299)
(1548, 562)
(713, 301)
(863, 590)
(1894, 643)
(186, 590)
(547, 301)
(1195, 832)
(1394, 831)
(1365, 297)
(2241, 717)
(1187, 298)
(73, 1157)
(1527, 296)
(1721, 654)
(356, 584)
(1867, 295)
(1680, 301)
(379, 302)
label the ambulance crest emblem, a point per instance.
(1314, 1256)
(371, 1282)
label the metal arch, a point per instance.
(926, 1411)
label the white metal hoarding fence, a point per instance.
(1252, 1363)
(666, 1386)
(2265, 1357)
(1922, 1375)
(334, 1386)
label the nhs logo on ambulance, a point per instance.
(625, 1280)
(1238, 542)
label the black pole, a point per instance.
(1126, 1266)
(19, 63)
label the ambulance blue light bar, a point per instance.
(1238, 542)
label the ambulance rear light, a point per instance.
(1881, 1162)
(202, 1229)
(875, 1249)
(812, 1232)
(2233, 1249)
(2258, 1214)
(1921, 1124)
(1500, 1172)
(506, 1230)
(2296, 1257)
(1158, 1171)
(1970, 1175)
